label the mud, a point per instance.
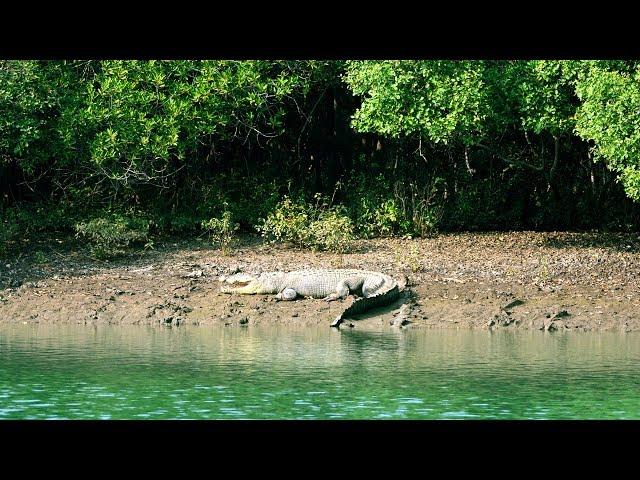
(521, 280)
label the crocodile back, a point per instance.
(320, 283)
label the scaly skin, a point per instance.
(374, 288)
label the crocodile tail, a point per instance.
(367, 303)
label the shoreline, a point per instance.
(549, 281)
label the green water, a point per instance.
(283, 373)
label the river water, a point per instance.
(129, 372)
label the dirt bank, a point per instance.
(526, 280)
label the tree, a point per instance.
(609, 116)
(442, 101)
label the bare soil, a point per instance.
(554, 281)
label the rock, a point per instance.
(491, 323)
(399, 322)
(295, 315)
(244, 321)
(401, 318)
(506, 322)
(561, 314)
(549, 327)
(403, 282)
(168, 320)
(194, 274)
(515, 303)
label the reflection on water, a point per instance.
(276, 372)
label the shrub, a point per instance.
(377, 218)
(409, 258)
(332, 231)
(112, 234)
(221, 230)
(317, 226)
(422, 207)
(382, 208)
(375, 212)
(288, 222)
(8, 231)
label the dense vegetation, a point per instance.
(315, 152)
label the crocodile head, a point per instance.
(241, 283)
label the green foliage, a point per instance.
(331, 231)
(180, 224)
(610, 117)
(382, 208)
(377, 219)
(8, 231)
(110, 235)
(27, 221)
(123, 127)
(34, 96)
(221, 230)
(422, 207)
(289, 222)
(24, 105)
(445, 101)
(39, 218)
(474, 207)
(142, 121)
(248, 198)
(440, 100)
(310, 225)
(486, 144)
(40, 257)
(547, 100)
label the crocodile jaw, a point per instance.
(241, 283)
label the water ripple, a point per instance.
(74, 372)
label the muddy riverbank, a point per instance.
(520, 280)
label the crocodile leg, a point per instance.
(342, 292)
(287, 294)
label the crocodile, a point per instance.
(374, 289)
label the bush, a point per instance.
(317, 226)
(113, 234)
(221, 230)
(377, 218)
(382, 208)
(288, 222)
(8, 231)
(422, 207)
(374, 211)
(332, 231)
